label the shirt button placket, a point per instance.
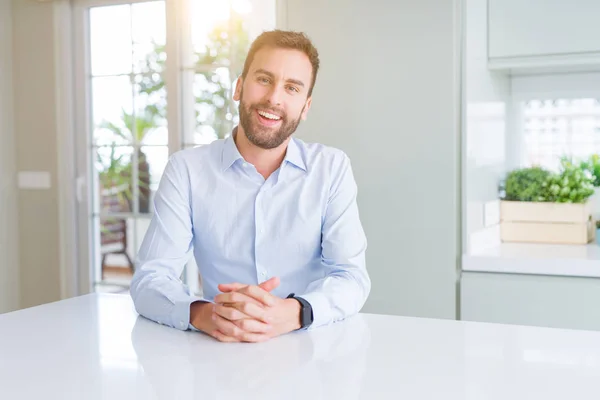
(261, 274)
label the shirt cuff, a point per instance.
(180, 318)
(321, 308)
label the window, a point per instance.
(154, 85)
(129, 129)
(554, 128)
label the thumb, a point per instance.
(231, 287)
(270, 285)
(266, 285)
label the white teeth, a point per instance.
(269, 115)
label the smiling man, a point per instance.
(272, 221)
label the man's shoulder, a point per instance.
(326, 161)
(198, 154)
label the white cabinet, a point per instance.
(549, 301)
(544, 33)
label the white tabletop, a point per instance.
(96, 347)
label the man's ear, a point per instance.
(238, 88)
(306, 108)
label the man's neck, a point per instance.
(266, 161)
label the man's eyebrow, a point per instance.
(271, 75)
(296, 82)
(264, 71)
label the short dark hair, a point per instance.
(285, 40)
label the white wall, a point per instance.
(486, 126)
(9, 261)
(388, 95)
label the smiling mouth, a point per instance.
(267, 118)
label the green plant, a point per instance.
(572, 185)
(227, 46)
(115, 174)
(593, 166)
(525, 184)
(119, 171)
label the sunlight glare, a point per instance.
(206, 15)
(241, 6)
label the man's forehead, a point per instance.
(278, 60)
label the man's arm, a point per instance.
(346, 285)
(157, 290)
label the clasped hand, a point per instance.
(250, 313)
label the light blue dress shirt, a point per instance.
(301, 224)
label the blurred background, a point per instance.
(473, 127)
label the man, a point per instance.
(272, 221)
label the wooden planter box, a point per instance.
(561, 223)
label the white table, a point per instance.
(96, 347)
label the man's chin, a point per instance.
(266, 145)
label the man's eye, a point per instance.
(293, 89)
(263, 80)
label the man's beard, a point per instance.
(262, 136)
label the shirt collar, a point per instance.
(293, 156)
(231, 153)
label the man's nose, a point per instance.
(274, 95)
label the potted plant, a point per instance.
(544, 207)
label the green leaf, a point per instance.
(526, 184)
